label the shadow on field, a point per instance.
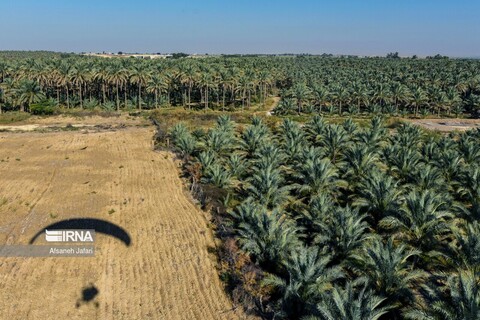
(100, 226)
(88, 294)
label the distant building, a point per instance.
(128, 55)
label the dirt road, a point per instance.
(166, 271)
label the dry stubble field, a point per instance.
(166, 272)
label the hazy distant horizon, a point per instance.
(344, 27)
(236, 53)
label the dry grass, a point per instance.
(166, 273)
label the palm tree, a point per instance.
(300, 92)
(381, 94)
(422, 222)
(315, 128)
(206, 82)
(216, 175)
(351, 304)
(292, 139)
(253, 138)
(101, 74)
(418, 98)
(360, 161)
(379, 195)
(79, 75)
(156, 85)
(219, 141)
(27, 93)
(342, 233)
(308, 276)
(459, 299)
(335, 140)
(427, 177)
(264, 80)
(321, 96)
(285, 107)
(269, 237)
(317, 176)
(117, 76)
(390, 273)
(465, 252)
(245, 86)
(470, 192)
(185, 144)
(189, 77)
(313, 218)
(399, 93)
(266, 185)
(8, 89)
(341, 96)
(63, 79)
(140, 76)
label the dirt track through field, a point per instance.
(166, 272)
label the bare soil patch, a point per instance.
(167, 271)
(68, 122)
(447, 125)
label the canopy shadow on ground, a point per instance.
(100, 226)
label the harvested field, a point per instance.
(166, 272)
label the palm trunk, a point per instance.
(103, 92)
(223, 99)
(80, 95)
(243, 99)
(125, 96)
(118, 100)
(189, 96)
(139, 95)
(68, 97)
(206, 98)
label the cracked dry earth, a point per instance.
(166, 272)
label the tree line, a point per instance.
(337, 221)
(306, 84)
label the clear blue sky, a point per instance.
(364, 27)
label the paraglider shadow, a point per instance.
(100, 226)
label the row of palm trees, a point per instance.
(396, 98)
(337, 221)
(306, 84)
(76, 81)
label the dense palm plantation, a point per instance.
(336, 85)
(336, 221)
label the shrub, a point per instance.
(42, 108)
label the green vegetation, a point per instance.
(306, 84)
(14, 116)
(43, 108)
(337, 221)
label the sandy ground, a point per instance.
(167, 271)
(276, 100)
(58, 122)
(446, 125)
